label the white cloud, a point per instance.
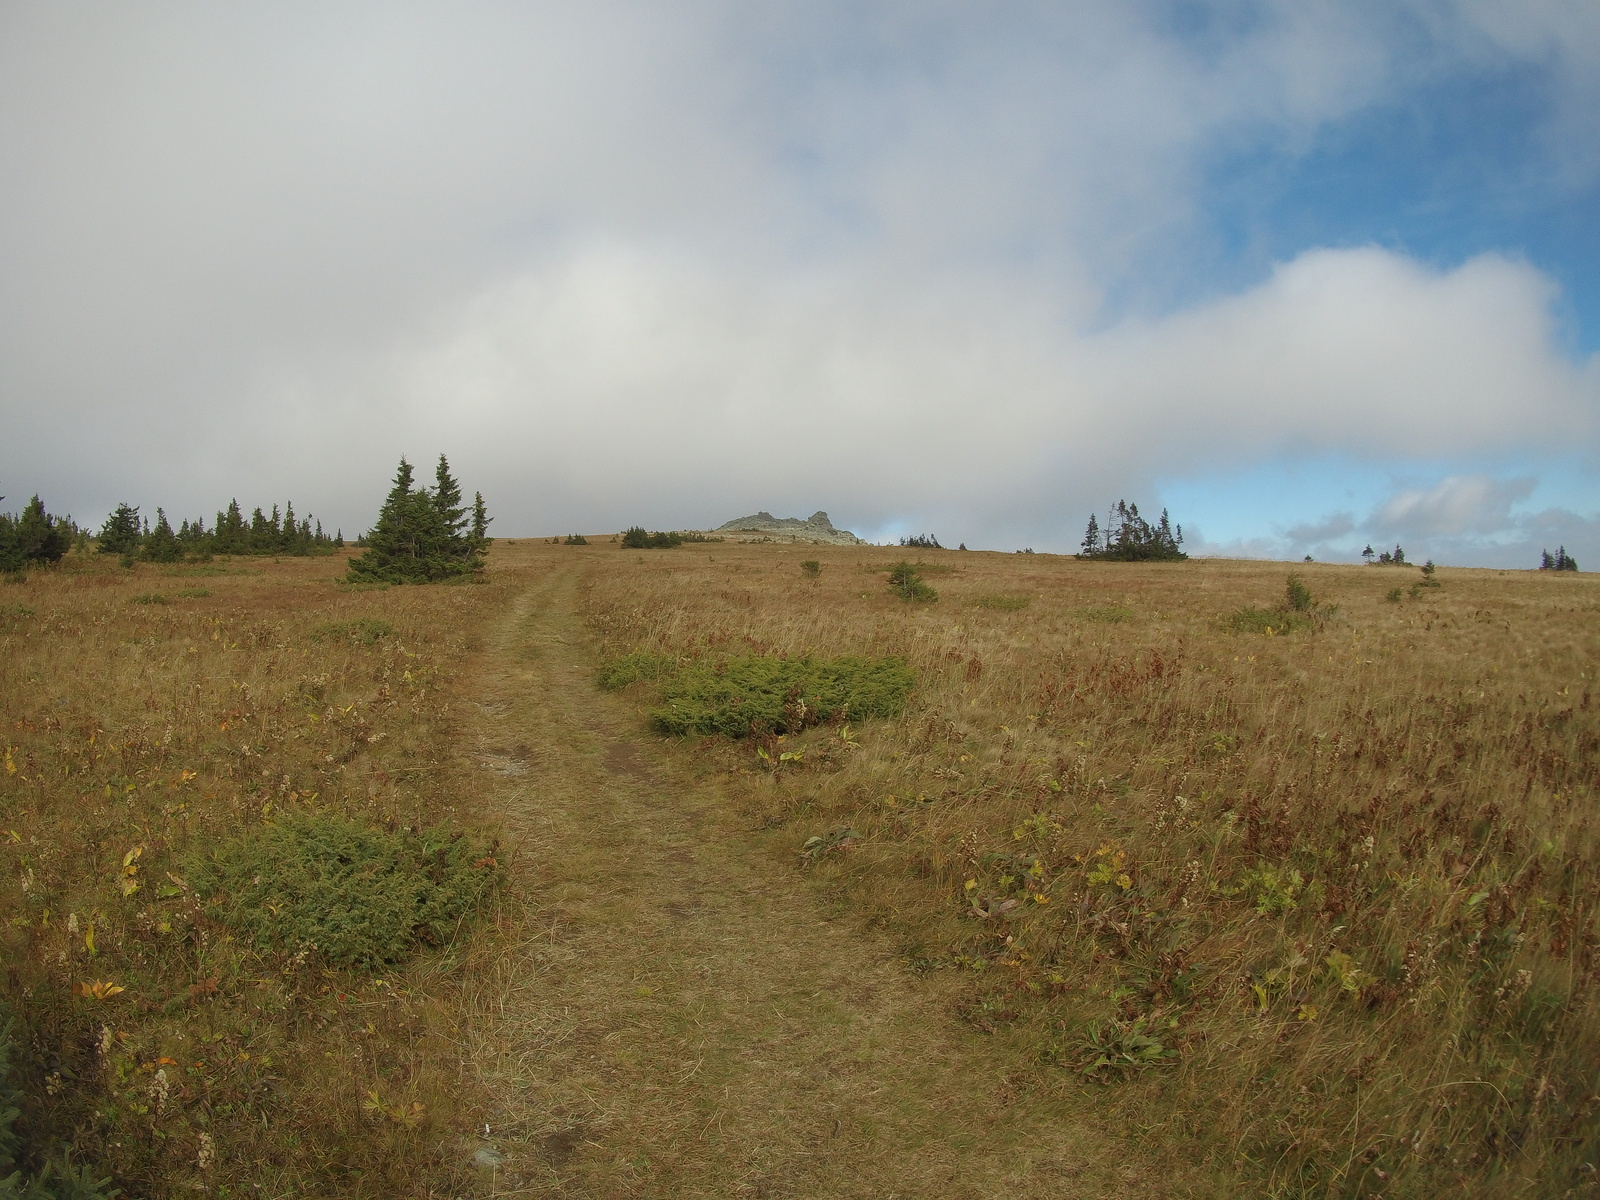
(619, 374)
(1462, 504)
(671, 263)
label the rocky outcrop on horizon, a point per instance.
(815, 528)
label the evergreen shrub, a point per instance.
(736, 696)
(638, 538)
(35, 538)
(358, 897)
(1299, 610)
(905, 581)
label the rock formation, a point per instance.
(816, 528)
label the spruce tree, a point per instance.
(161, 544)
(42, 538)
(121, 533)
(447, 500)
(480, 524)
(1091, 538)
(10, 552)
(418, 538)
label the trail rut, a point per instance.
(679, 1016)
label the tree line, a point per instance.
(1128, 537)
(422, 534)
(125, 533)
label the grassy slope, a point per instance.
(678, 1018)
(1347, 874)
(1212, 819)
(154, 730)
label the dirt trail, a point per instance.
(680, 1018)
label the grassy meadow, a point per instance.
(147, 718)
(1303, 892)
(1310, 893)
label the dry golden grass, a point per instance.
(1347, 875)
(137, 731)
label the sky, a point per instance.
(1312, 275)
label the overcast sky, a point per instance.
(1311, 274)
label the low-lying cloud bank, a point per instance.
(619, 381)
(928, 268)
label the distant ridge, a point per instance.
(815, 528)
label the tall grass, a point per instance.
(1314, 899)
(170, 1045)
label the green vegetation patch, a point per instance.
(362, 631)
(905, 581)
(60, 1179)
(1003, 603)
(182, 572)
(1299, 610)
(783, 695)
(1267, 621)
(640, 666)
(148, 598)
(1108, 614)
(359, 897)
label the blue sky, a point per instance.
(1311, 274)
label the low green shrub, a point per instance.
(358, 897)
(362, 631)
(1108, 614)
(1003, 603)
(905, 581)
(148, 598)
(1267, 621)
(575, 539)
(638, 538)
(58, 1179)
(781, 695)
(618, 673)
(811, 567)
(1299, 610)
